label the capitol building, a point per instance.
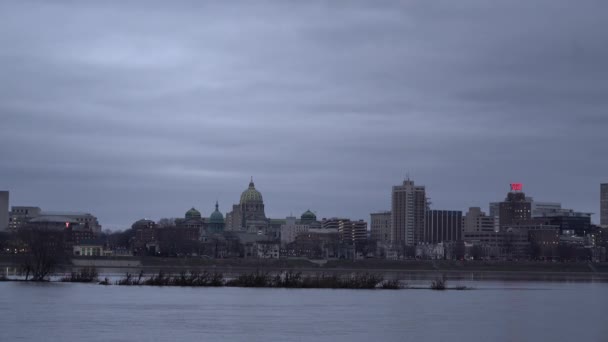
(248, 215)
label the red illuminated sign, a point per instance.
(516, 186)
(67, 225)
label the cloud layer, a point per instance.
(144, 109)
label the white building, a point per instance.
(88, 250)
(267, 249)
(291, 229)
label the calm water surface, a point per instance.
(494, 311)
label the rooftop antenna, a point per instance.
(407, 175)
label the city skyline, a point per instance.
(131, 110)
(320, 212)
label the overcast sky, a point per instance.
(142, 109)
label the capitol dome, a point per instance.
(193, 214)
(216, 217)
(251, 194)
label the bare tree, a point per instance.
(45, 250)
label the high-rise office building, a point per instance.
(516, 208)
(604, 205)
(408, 213)
(442, 226)
(3, 211)
(380, 226)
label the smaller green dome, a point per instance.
(193, 214)
(216, 217)
(308, 216)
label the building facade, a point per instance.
(604, 205)
(514, 209)
(540, 209)
(291, 229)
(575, 224)
(380, 226)
(348, 231)
(409, 205)
(352, 231)
(442, 226)
(19, 216)
(4, 195)
(476, 220)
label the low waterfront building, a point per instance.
(432, 251)
(267, 249)
(93, 248)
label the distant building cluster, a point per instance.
(516, 228)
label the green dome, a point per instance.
(193, 214)
(308, 216)
(251, 194)
(216, 217)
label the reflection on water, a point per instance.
(494, 311)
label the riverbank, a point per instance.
(391, 270)
(260, 279)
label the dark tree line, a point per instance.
(45, 250)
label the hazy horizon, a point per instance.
(132, 110)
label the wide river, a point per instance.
(493, 311)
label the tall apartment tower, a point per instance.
(408, 212)
(604, 205)
(3, 211)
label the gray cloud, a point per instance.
(133, 109)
